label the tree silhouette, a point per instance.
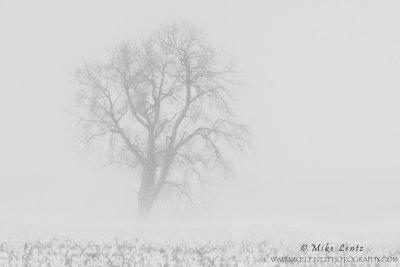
(164, 105)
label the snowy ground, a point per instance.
(142, 252)
(188, 245)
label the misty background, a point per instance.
(321, 97)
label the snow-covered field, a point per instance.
(134, 253)
(141, 252)
(187, 244)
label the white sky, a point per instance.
(322, 100)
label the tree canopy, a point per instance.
(164, 104)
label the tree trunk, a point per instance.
(145, 196)
(144, 205)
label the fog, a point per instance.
(320, 95)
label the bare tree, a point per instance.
(164, 105)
